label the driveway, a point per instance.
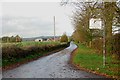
(52, 66)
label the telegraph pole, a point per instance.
(104, 39)
(54, 27)
(104, 45)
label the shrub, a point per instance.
(116, 45)
(97, 44)
(64, 38)
(14, 52)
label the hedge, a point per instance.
(14, 52)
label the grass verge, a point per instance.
(86, 59)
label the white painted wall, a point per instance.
(39, 40)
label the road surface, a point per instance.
(52, 66)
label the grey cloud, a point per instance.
(26, 25)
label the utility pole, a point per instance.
(54, 28)
(104, 45)
(104, 39)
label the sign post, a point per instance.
(54, 28)
(99, 24)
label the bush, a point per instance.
(116, 45)
(97, 44)
(64, 38)
(15, 52)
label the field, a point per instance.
(87, 59)
(29, 43)
(19, 52)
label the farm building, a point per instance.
(39, 40)
(46, 39)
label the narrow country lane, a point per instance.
(52, 66)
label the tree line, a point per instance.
(109, 13)
(16, 38)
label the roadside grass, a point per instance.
(13, 53)
(87, 58)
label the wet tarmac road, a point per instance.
(52, 66)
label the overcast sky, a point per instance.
(32, 19)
